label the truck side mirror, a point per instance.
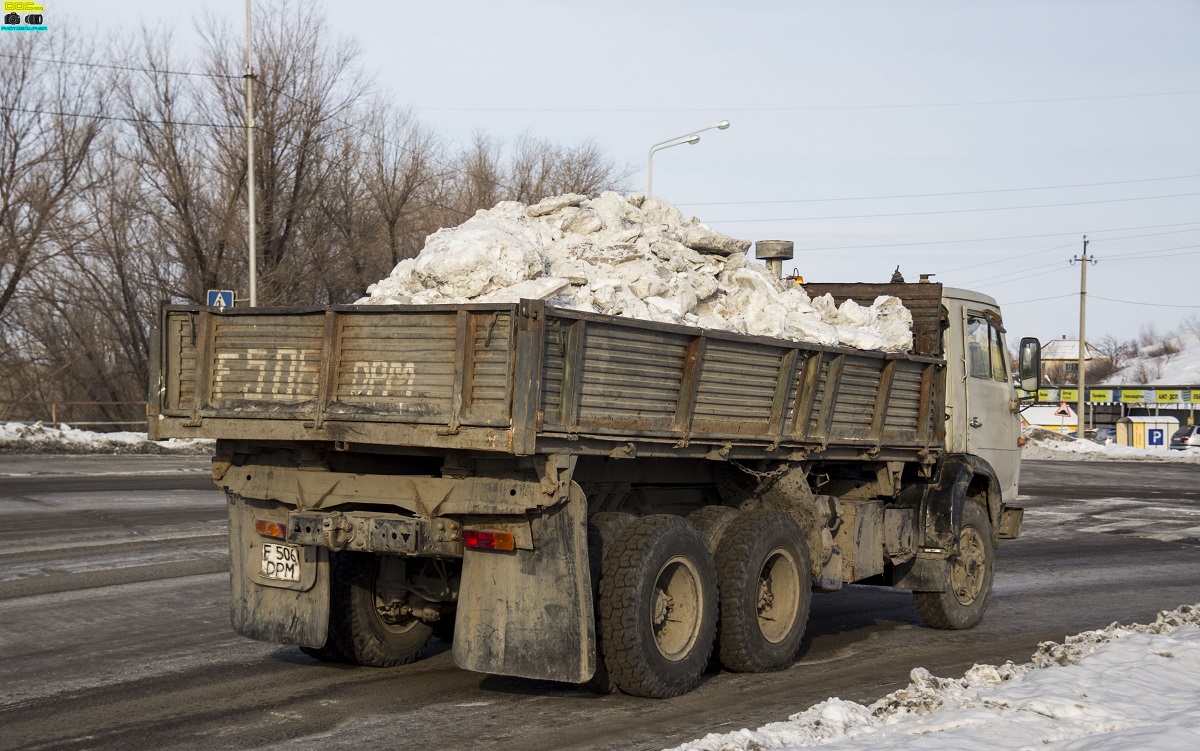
(1030, 360)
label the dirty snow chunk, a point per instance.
(532, 289)
(555, 203)
(701, 238)
(636, 257)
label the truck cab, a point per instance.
(981, 401)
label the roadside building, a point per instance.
(1060, 360)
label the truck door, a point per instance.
(992, 426)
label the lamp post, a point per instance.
(692, 138)
(250, 219)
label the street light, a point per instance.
(692, 138)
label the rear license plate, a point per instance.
(281, 562)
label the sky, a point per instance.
(978, 141)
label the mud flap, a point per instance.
(282, 612)
(528, 613)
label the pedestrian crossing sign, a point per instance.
(220, 298)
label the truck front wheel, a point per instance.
(367, 631)
(658, 603)
(970, 577)
(766, 587)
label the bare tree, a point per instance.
(1145, 371)
(540, 168)
(1148, 334)
(1115, 351)
(50, 114)
(402, 175)
(308, 88)
(101, 219)
(1191, 325)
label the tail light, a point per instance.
(271, 529)
(479, 539)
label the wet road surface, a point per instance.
(114, 627)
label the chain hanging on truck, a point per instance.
(764, 476)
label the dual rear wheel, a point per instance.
(664, 580)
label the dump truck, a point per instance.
(585, 498)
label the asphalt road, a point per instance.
(114, 629)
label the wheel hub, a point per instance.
(675, 614)
(778, 595)
(969, 569)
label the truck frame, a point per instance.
(576, 497)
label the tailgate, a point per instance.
(437, 366)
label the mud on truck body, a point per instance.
(575, 497)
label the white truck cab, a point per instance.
(981, 400)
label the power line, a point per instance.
(1149, 304)
(1123, 256)
(402, 147)
(1005, 260)
(105, 66)
(961, 241)
(1148, 252)
(118, 118)
(951, 211)
(1039, 299)
(1019, 273)
(814, 108)
(257, 80)
(937, 195)
(1155, 257)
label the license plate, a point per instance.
(281, 562)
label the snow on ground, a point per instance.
(1046, 444)
(629, 256)
(1153, 368)
(36, 438)
(1118, 688)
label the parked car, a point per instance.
(1186, 437)
(1106, 434)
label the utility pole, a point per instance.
(1081, 400)
(250, 219)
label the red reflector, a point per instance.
(481, 540)
(271, 529)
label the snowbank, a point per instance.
(19, 438)
(1151, 367)
(635, 257)
(1122, 687)
(1046, 444)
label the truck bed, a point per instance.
(526, 379)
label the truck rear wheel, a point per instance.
(972, 567)
(658, 604)
(764, 574)
(711, 522)
(366, 632)
(603, 529)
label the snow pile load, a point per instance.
(635, 257)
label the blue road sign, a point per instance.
(220, 298)
(1154, 436)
